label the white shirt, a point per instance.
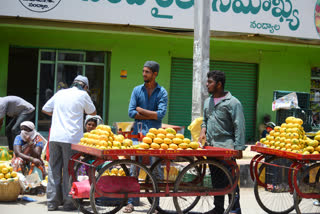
(68, 107)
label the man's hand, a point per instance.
(202, 135)
(36, 161)
(239, 156)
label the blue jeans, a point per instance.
(219, 180)
(158, 173)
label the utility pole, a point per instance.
(201, 55)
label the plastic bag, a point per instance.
(195, 128)
(286, 102)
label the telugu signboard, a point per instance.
(293, 18)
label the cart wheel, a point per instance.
(203, 185)
(275, 196)
(308, 183)
(82, 204)
(166, 205)
(108, 205)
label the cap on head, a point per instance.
(83, 79)
(271, 125)
(154, 66)
(97, 118)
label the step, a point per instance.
(245, 179)
(244, 165)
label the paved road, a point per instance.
(248, 204)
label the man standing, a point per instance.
(223, 126)
(19, 110)
(67, 107)
(148, 105)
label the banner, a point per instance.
(292, 18)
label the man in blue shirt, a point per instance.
(148, 105)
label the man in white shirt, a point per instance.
(67, 107)
(19, 110)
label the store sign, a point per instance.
(40, 6)
(293, 18)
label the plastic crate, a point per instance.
(303, 98)
(278, 174)
(303, 114)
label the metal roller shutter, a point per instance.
(241, 82)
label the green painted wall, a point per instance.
(281, 66)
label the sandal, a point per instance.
(128, 209)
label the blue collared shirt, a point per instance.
(156, 102)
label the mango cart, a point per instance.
(120, 180)
(284, 181)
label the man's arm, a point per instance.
(48, 106)
(132, 112)
(144, 114)
(47, 113)
(203, 132)
(93, 113)
(202, 136)
(239, 128)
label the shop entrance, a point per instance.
(36, 74)
(57, 70)
(22, 74)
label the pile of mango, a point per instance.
(103, 138)
(114, 172)
(7, 173)
(166, 139)
(291, 137)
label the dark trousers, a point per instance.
(13, 128)
(220, 181)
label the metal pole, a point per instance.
(201, 55)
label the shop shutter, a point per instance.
(241, 82)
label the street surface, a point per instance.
(248, 204)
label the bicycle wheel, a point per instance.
(108, 205)
(188, 182)
(166, 205)
(275, 196)
(308, 183)
(82, 204)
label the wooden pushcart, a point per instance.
(285, 181)
(192, 189)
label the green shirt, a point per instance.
(224, 122)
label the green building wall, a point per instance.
(282, 66)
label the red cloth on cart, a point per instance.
(107, 184)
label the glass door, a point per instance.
(57, 70)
